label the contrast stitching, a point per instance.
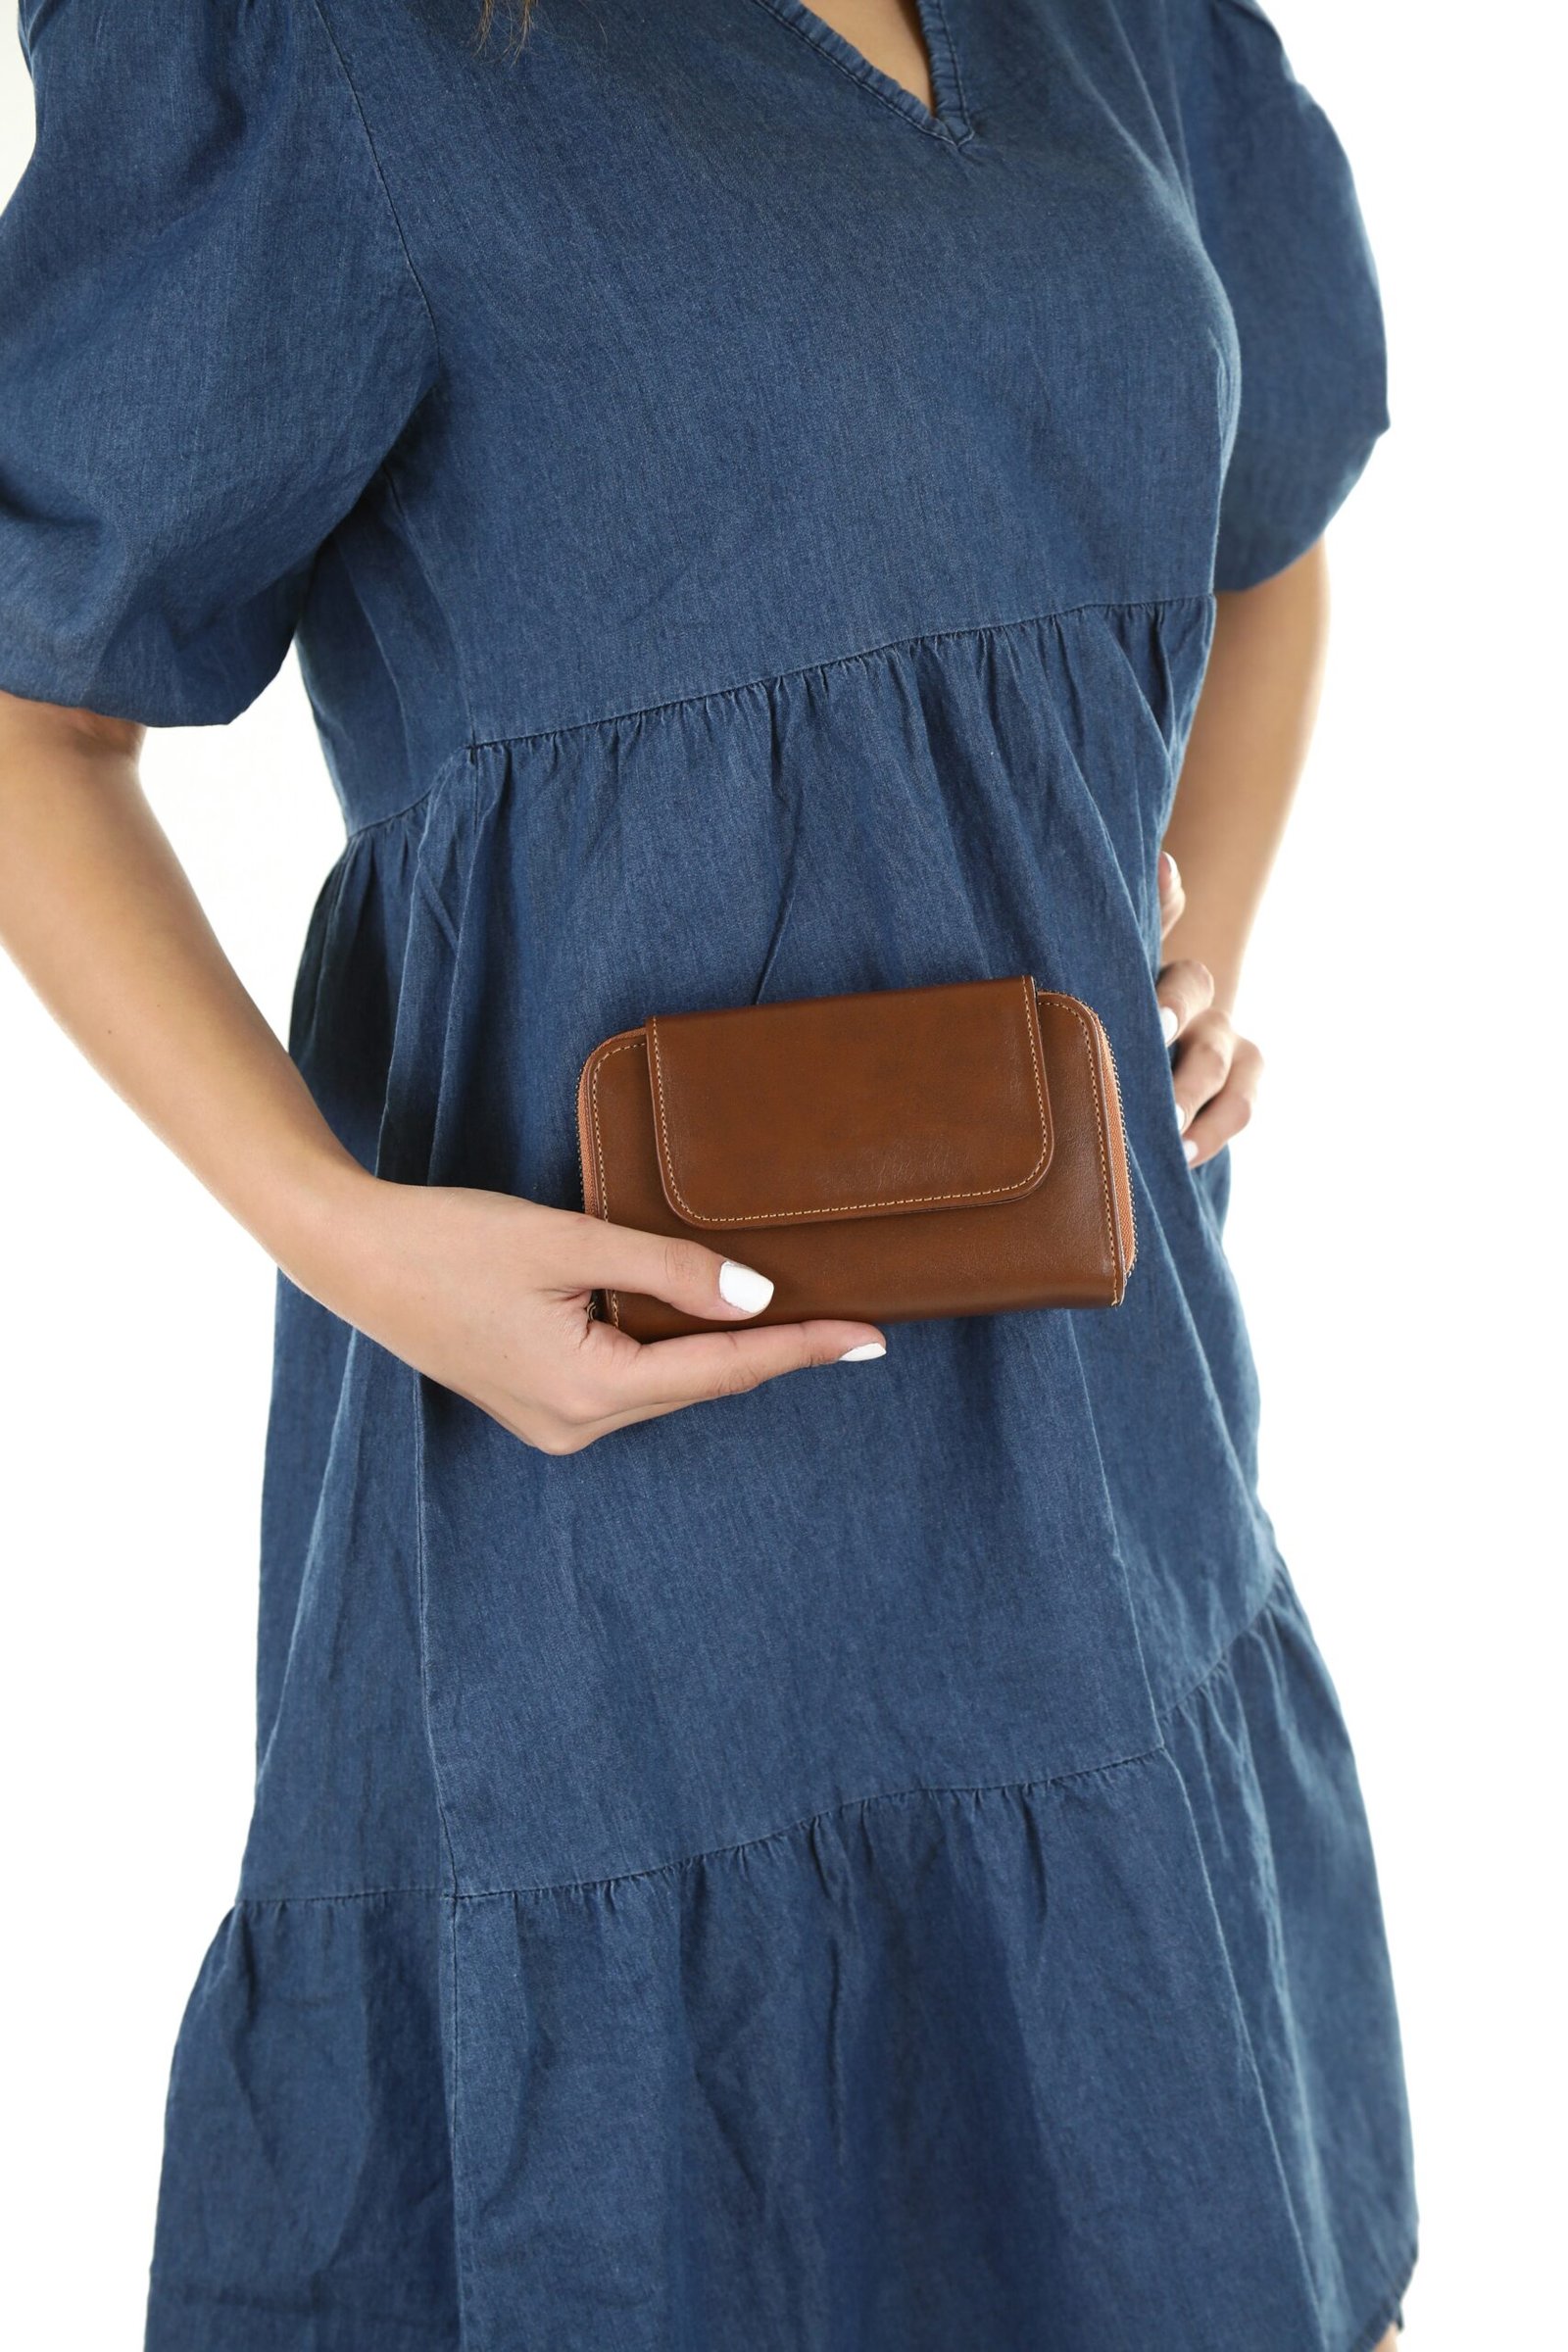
(1123, 1260)
(629, 1046)
(849, 1208)
(1071, 1006)
(864, 652)
(1124, 1162)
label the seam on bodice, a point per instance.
(329, 29)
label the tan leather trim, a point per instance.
(1091, 1030)
(1126, 1244)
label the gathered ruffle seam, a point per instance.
(1274, 1593)
(766, 684)
(807, 1822)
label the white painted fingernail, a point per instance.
(1189, 1150)
(1167, 1022)
(863, 1353)
(743, 1287)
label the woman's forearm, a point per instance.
(486, 1294)
(1245, 753)
(97, 912)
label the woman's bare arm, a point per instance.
(485, 1293)
(1243, 758)
(98, 913)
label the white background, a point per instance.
(1397, 1226)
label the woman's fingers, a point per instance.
(1172, 896)
(487, 1295)
(1227, 1111)
(1214, 1073)
(612, 1380)
(1185, 989)
(601, 1379)
(702, 1367)
(1202, 1063)
(622, 1257)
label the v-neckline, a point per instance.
(948, 121)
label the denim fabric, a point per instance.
(876, 1865)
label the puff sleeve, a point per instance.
(1279, 218)
(211, 336)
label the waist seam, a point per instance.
(805, 669)
(771, 679)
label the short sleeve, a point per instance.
(211, 336)
(1280, 220)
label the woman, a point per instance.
(869, 1860)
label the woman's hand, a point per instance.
(1215, 1073)
(486, 1294)
(489, 1296)
(1242, 756)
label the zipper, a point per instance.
(1122, 1121)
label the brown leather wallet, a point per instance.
(890, 1155)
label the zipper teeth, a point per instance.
(1122, 1121)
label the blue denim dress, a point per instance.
(874, 1865)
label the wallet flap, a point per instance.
(875, 1104)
